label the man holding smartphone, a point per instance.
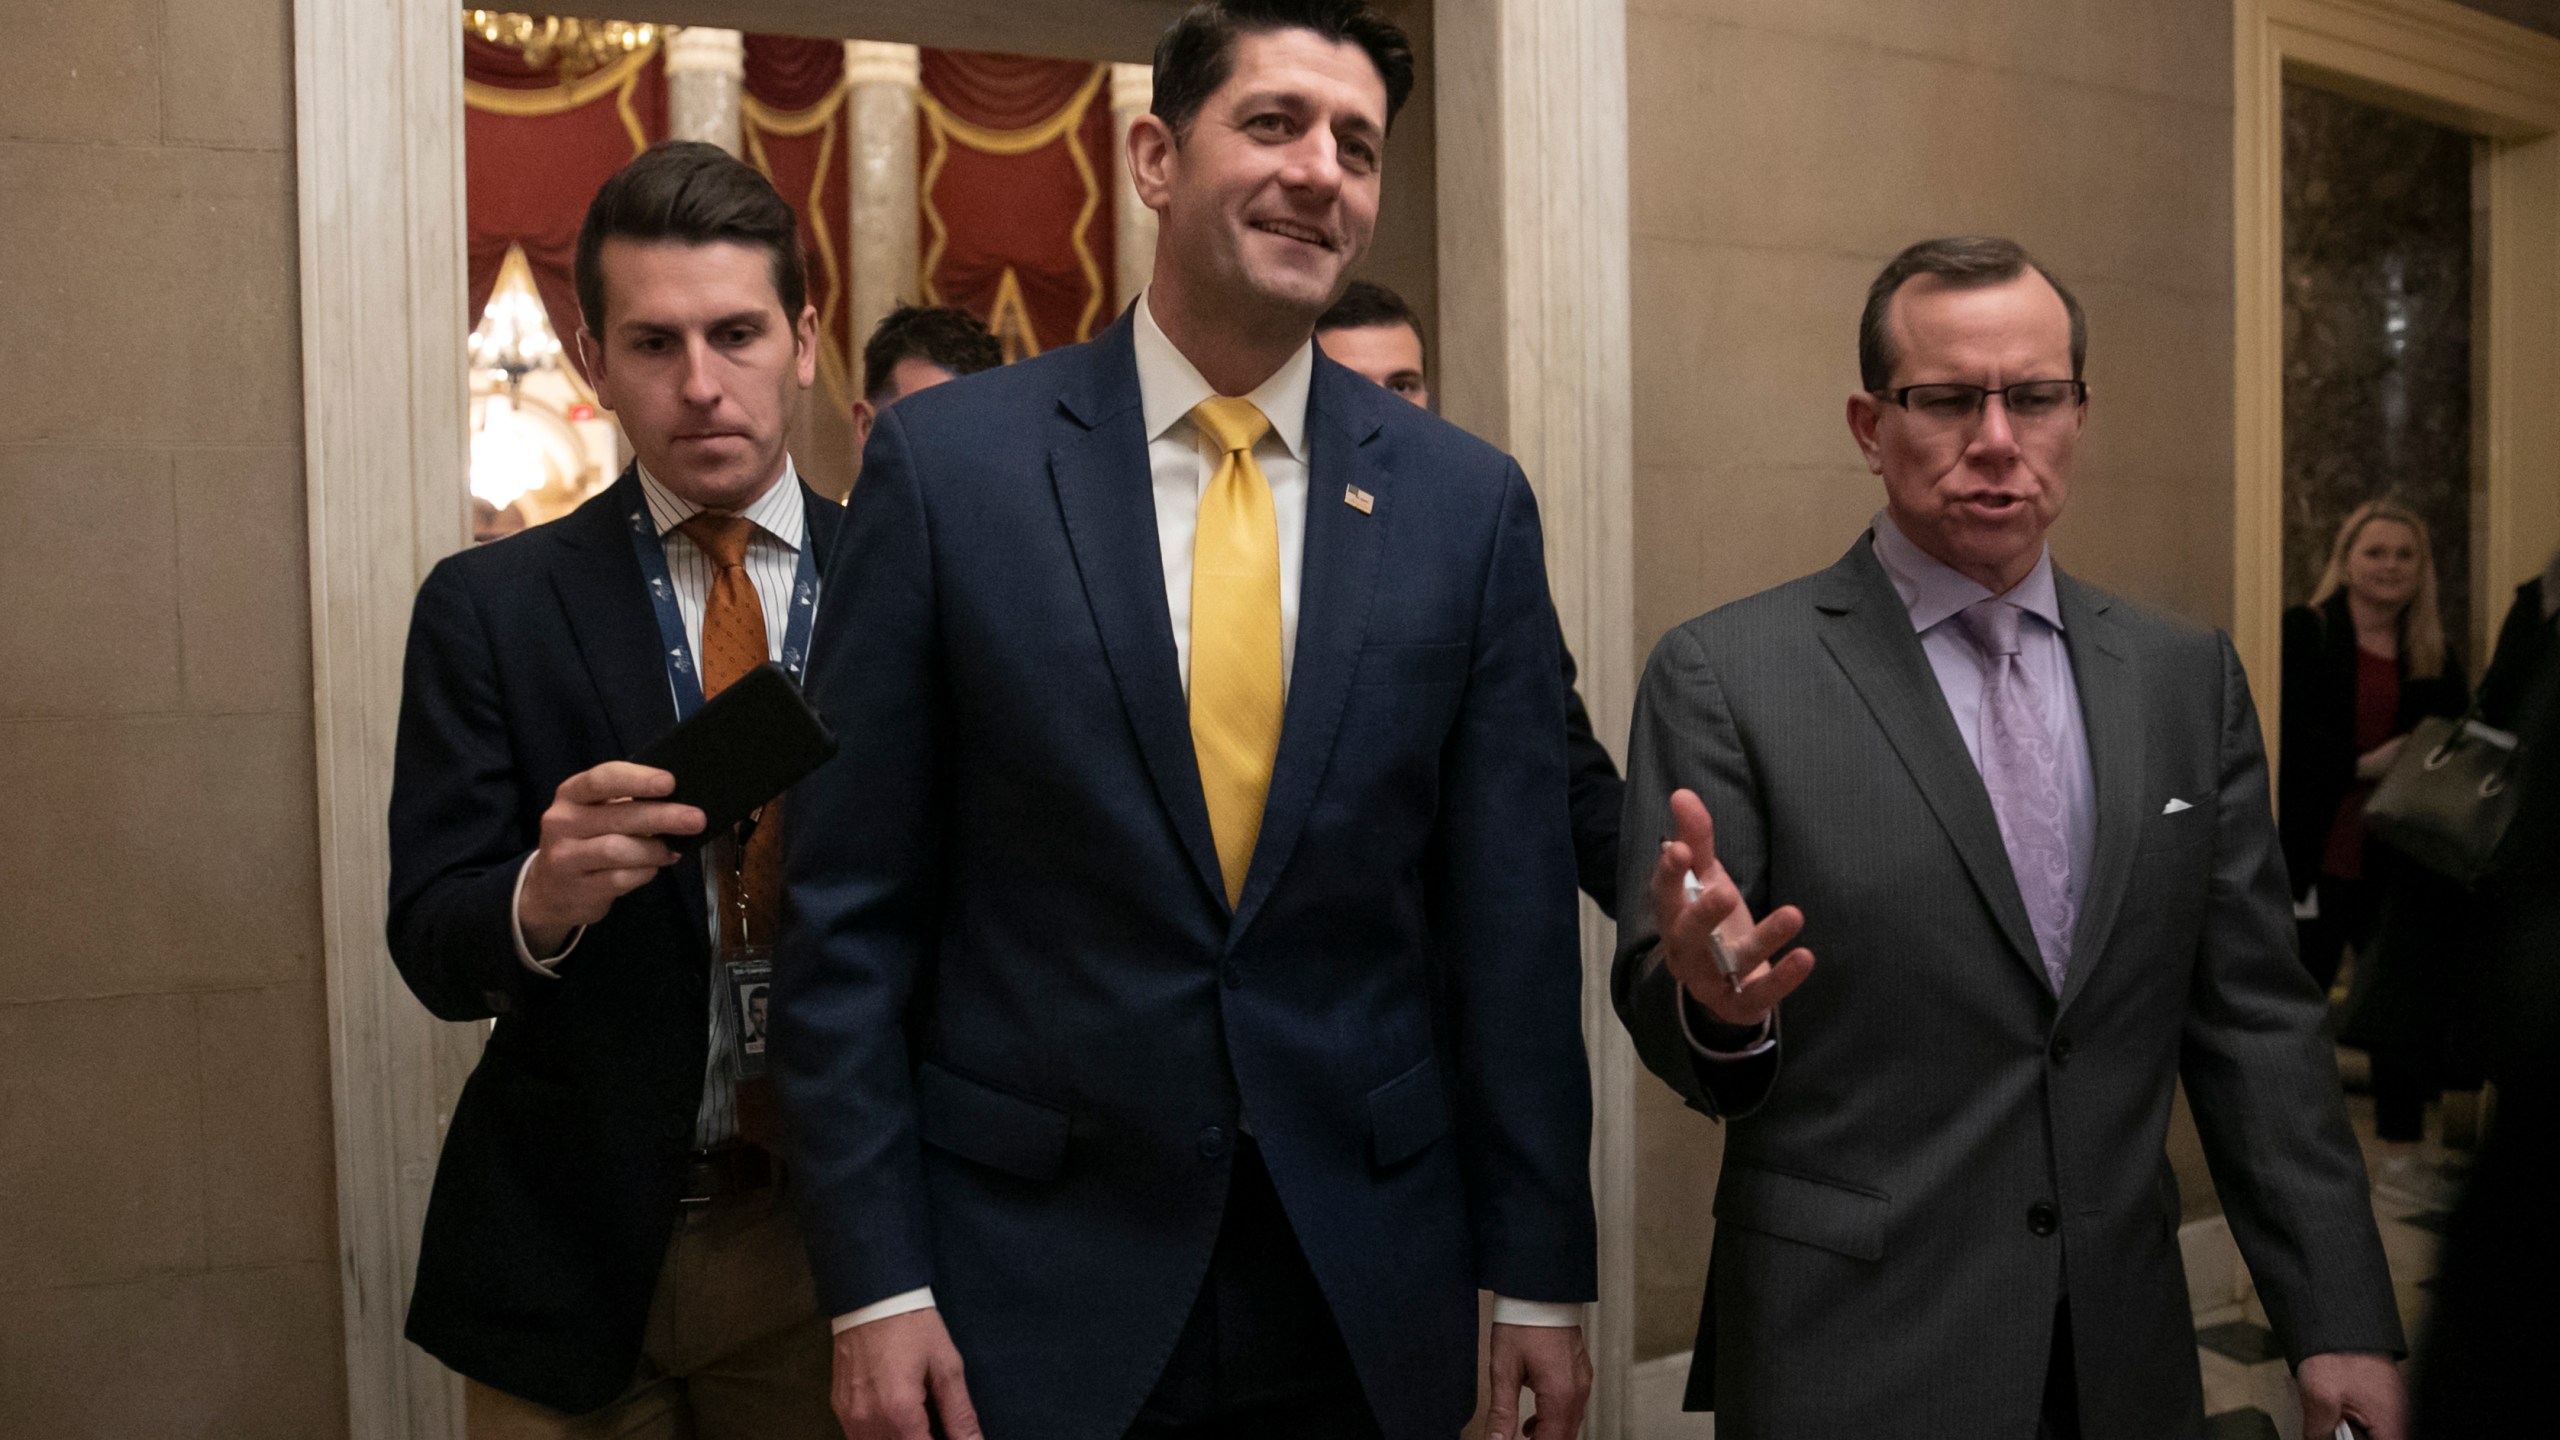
(608, 1249)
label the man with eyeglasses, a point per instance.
(2025, 825)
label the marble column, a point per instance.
(1536, 355)
(1133, 90)
(881, 82)
(706, 85)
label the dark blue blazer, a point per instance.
(1017, 1026)
(531, 659)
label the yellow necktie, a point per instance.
(1235, 636)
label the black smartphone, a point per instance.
(747, 744)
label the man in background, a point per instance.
(916, 347)
(1374, 333)
(2025, 825)
(609, 1248)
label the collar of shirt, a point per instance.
(778, 512)
(1169, 385)
(1932, 591)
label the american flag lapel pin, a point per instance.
(1359, 499)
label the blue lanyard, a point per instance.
(683, 678)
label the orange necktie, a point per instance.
(733, 643)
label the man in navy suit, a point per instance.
(1180, 1019)
(609, 1249)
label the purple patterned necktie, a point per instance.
(2022, 768)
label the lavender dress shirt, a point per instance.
(1935, 594)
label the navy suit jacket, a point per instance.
(531, 659)
(1017, 1026)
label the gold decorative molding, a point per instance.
(570, 48)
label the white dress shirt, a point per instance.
(1182, 461)
(781, 521)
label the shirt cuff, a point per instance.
(515, 927)
(1545, 1314)
(920, 1298)
(1759, 1043)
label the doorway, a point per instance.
(1525, 267)
(2411, 85)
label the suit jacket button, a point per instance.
(2061, 1051)
(2042, 1218)
(679, 1127)
(1235, 976)
(1213, 1141)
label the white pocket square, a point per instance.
(2174, 806)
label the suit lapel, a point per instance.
(605, 598)
(2112, 713)
(1869, 635)
(1107, 502)
(1337, 577)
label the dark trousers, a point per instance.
(2349, 912)
(1260, 1355)
(2061, 1416)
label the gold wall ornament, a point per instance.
(571, 48)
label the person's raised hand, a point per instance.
(599, 843)
(896, 1377)
(2352, 1385)
(1555, 1365)
(1684, 921)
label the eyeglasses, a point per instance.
(2029, 403)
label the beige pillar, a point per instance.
(1535, 356)
(881, 81)
(1133, 90)
(706, 85)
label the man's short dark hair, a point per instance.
(1369, 303)
(1198, 52)
(1965, 262)
(693, 194)
(937, 334)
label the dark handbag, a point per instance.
(2448, 799)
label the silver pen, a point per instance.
(1728, 964)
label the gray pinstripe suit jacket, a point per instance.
(1940, 1152)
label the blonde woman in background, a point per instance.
(2364, 662)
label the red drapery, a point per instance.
(1016, 192)
(1015, 186)
(534, 152)
(794, 131)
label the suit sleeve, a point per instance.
(1505, 929)
(1685, 738)
(2263, 1080)
(459, 827)
(1596, 795)
(859, 846)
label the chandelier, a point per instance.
(572, 48)
(514, 336)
